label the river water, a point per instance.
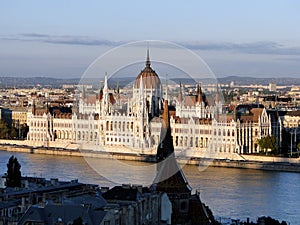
(235, 193)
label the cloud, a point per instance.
(34, 35)
(293, 58)
(271, 48)
(62, 39)
(266, 47)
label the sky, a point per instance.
(61, 38)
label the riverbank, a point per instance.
(249, 162)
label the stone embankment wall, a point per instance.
(270, 159)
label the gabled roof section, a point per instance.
(124, 193)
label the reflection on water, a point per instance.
(235, 193)
(122, 172)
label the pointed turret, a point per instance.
(199, 94)
(105, 82)
(166, 87)
(169, 178)
(165, 147)
(218, 95)
(83, 93)
(33, 107)
(180, 93)
(47, 108)
(118, 88)
(166, 116)
(100, 95)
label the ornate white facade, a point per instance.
(134, 122)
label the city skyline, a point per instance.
(59, 39)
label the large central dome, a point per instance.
(149, 77)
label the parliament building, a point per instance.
(131, 123)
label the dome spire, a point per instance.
(148, 63)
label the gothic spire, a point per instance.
(169, 178)
(100, 94)
(148, 63)
(180, 93)
(118, 88)
(199, 93)
(105, 82)
(33, 107)
(166, 116)
(218, 95)
(165, 147)
(47, 108)
(83, 93)
(166, 86)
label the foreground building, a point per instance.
(187, 208)
(41, 201)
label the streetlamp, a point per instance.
(19, 130)
(291, 132)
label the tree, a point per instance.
(4, 130)
(13, 172)
(7, 131)
(268, 142)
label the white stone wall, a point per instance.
(39, 127)
(291, 121)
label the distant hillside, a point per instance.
(239, 80)
(34, 81)
(9, 82)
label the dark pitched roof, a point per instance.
(170, 178)
(96, 202)
(125, 193)
(198, 213)
(65, 213)
(293, 113)
(59, 187)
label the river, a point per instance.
(235, 193)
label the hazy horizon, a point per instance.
(62, 38)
